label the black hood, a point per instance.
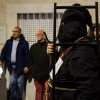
(73, 24)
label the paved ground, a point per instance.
(4, 84)
(3, 89)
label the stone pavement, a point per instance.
(4, 84)
(3, 89)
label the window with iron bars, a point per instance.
(31, 22)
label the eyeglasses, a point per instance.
(15, 31)
(39, 34)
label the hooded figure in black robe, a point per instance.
(77, 78)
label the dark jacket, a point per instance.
(21, 54)
(39, 61)
(80, 71)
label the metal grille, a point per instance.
(31, 22)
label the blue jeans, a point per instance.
(16, 85)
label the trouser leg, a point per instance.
(40, 89)
(20, 87)
(12, 86)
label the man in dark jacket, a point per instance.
(39, 64)
(15, 54)
(77, 77)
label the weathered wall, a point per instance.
(8, 17)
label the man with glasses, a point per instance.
(15, 54)
(39, 64)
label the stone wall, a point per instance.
(8, 17)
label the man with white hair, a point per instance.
(39, 64)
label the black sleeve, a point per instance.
(51, 59)
(3, 52)
(30, 60)
(26, 53)
(85, 76)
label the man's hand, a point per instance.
(49, 48)
(26, 69)
(0, 63)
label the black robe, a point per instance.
(79, 71)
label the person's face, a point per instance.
(16, 33)
(40, 35)
(95, 32)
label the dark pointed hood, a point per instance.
(73, 24)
